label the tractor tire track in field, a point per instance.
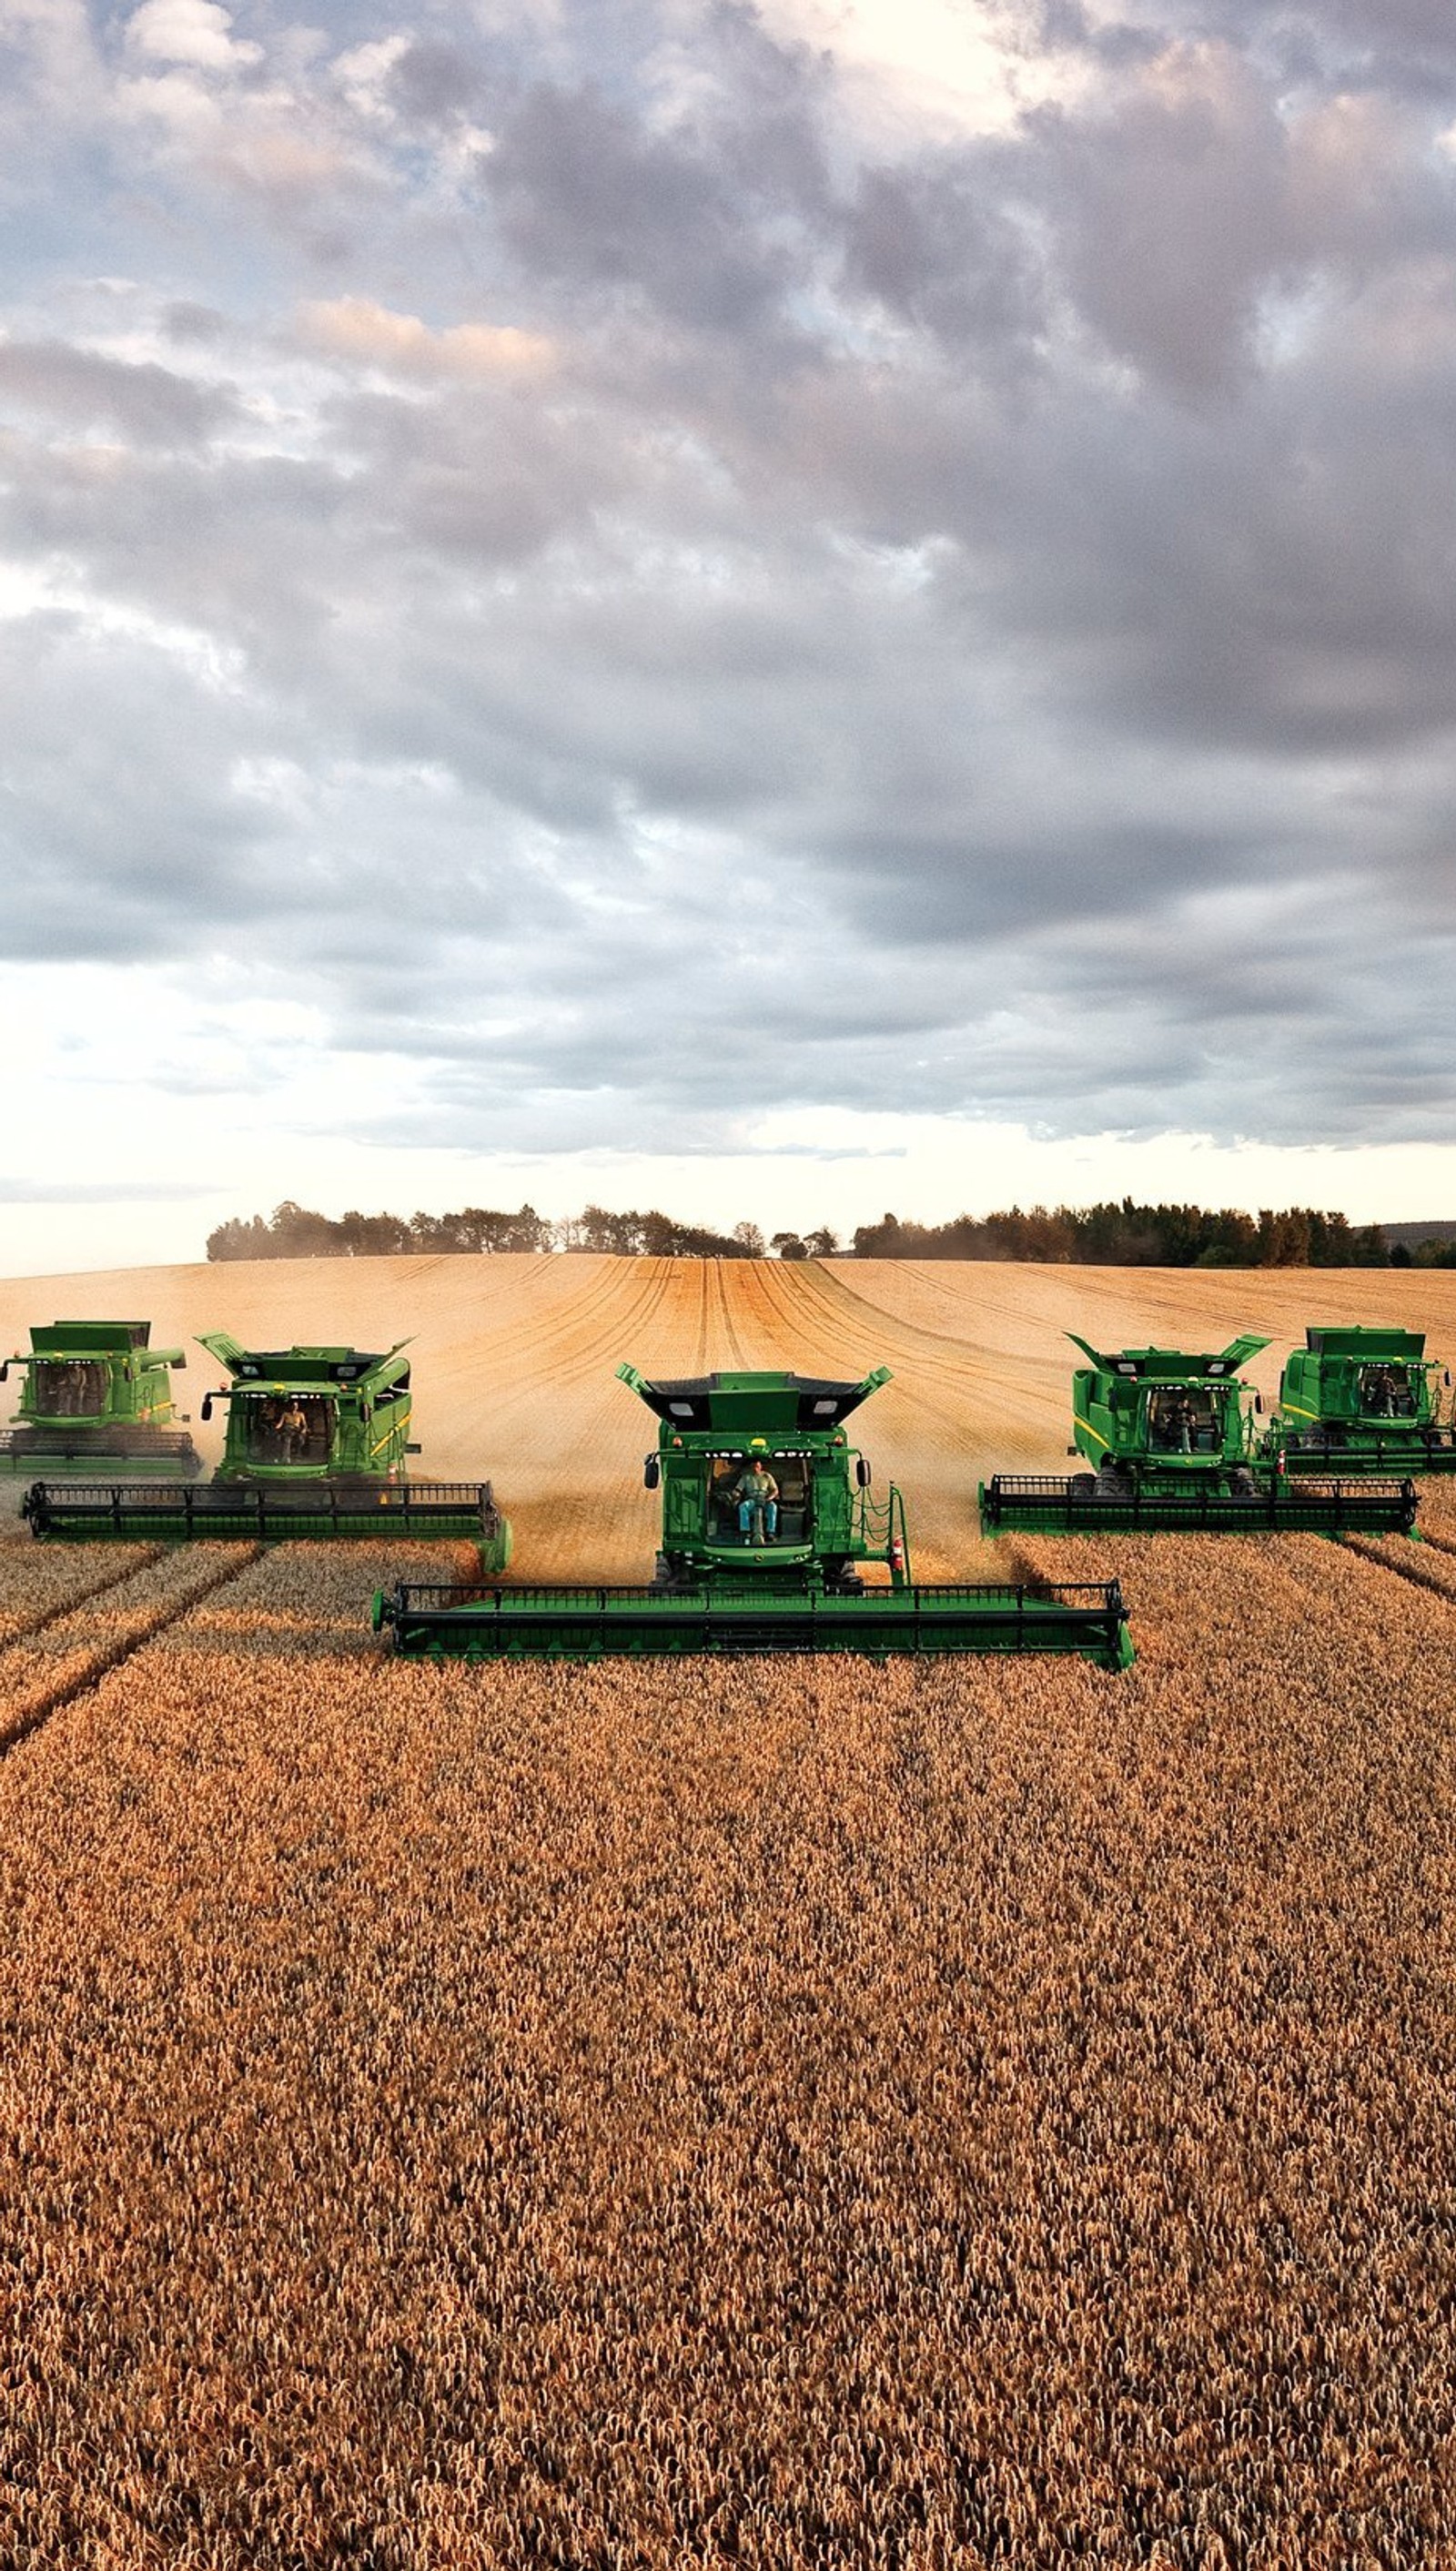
(722, 1304)
(587, 1334)
(934, 1397)
(791, 1317)
(1397, 1554)
(835, 1292)
(65, 1654)
(566, 1322)
(39, 1584)
(566, 1462)
(948, 1379)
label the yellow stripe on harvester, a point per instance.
(1079, 1422)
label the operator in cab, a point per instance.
(1177, 1420)
(756, 1494)
(1386, 1395)
(292, 1426)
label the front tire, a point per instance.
(1110, 1484)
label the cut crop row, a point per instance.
(55, 1660)
(38, 1582)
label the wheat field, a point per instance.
(772, 2115)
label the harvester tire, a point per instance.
(1082, 1486)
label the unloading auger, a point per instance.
(766, 1521)
(95, 1393)
(316, 1445)
(1172, 1439)
(1356, 1400)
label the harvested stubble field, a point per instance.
(773, 2115)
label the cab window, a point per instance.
(288, 1427)
(1183, 1419)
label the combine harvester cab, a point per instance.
(1172, 1439)
(767, 1520)
(96, 1393)
(316, 1445)
(1356, 1400)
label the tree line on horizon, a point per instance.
(1115, 1235)
(294, 1231)
(1124, 1235)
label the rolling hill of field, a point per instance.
(514, 1360)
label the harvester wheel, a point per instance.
(1242, 1483)
(842, 1580)
(1082, 1486)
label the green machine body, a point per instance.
(1172, 1440)
(1359, 1399)
(768, 1525)
(316, 1445)
(93, 1392)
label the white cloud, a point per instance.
(909, 70)
(190, 31)
(363, 76)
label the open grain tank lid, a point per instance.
(1174, 1366)
(1354, 1339)
(743, 1404)
(87, 1339)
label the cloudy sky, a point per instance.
(778, 610)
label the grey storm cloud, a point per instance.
(80, 390)
(654, 601)
(711, 226)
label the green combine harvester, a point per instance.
(93, 1393)
(766, 1521)
(1356, 1400)
(316, 1445)
(1172, 1439)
